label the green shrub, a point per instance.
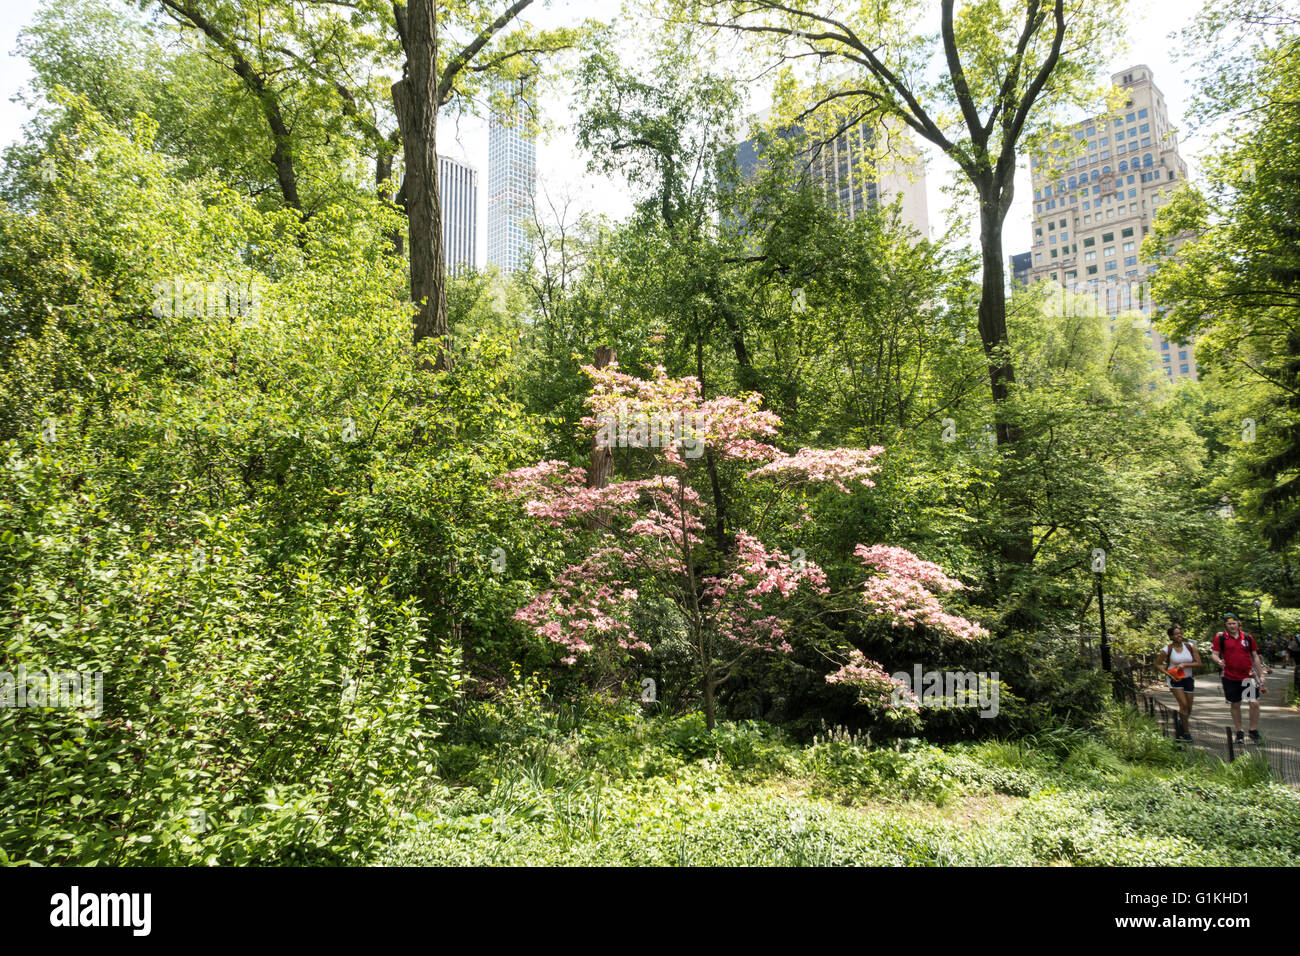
(1135, 737)
(251, 712)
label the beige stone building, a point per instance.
(1093, 207)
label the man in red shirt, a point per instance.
(1243, 673)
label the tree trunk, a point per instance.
(719, 503)
(602, 459)
(709, 687)
(1017, 544)
(993, 308)
(415, 98)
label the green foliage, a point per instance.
(618, 790)
(275, 534)
(260, 525)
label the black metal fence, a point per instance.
(1208, 737)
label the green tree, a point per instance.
(994, 77)
(1231, 262)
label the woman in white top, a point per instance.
(1177, 660)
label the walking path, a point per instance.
(1277, 722)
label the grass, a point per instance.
(615, 788)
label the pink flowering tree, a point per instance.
(647, 533)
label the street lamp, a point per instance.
(1259, 622)
(1099, 569)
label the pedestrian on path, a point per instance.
(1243, 673)
(1178, 660)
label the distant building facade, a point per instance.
(1021, 265)
(854, 180)
(458, 193)
(1092, 211)
(512, 179)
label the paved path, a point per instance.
(1277, 722)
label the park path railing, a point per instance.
(1131, 685)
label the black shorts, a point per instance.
(1187, 684)
(1232, 690)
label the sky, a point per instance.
(562, 174)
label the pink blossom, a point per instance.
(873, 684)
(901, 592)
(648, 533)
(836, 466)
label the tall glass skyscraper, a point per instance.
(458, 190)
(512, 178)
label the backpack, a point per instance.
(1218, 642)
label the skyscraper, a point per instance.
(512, 178)
(1091, 211)
(855, 181)
(458, 191)
(1021, 265)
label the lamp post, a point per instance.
(1259, 622)
(1098, 569)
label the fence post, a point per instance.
(1232, 754)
